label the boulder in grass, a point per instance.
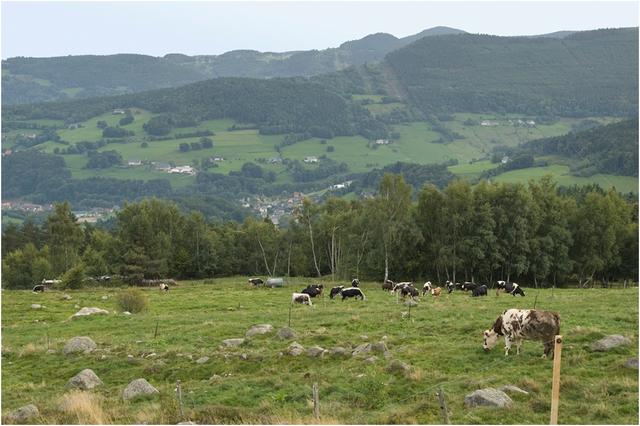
(202, 360)
(23, 414)
(488, 397)
(82, 344)
(232, 342)
(36, 306)
(295, 349)
(84, 380)
(339, 351)
(631, 363)
(610, 342)
(315, 351)
(138, 387)
(90, 311)
(397, 366)
(362, 349)
(379, 347)
(259, 329)
(286, 333)
(65, 297)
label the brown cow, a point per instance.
(517, 325)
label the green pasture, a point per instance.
(258, 382)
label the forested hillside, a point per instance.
(28, 80)
(606, 149)
(586, 73)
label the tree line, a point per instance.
(535, 234)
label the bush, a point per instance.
(132, 300)
(74, 277)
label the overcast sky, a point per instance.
(156, 28)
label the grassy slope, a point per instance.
(442, 343)
(416, 144)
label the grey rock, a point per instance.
(244, 357)
(295, 349)
(187, 423)
(23, 414)
(137, 388)
(632, 363)
(259, 329)
(233, 342)
(86, 379)
(36, 306)
(387, 354)
(362, 349)
(214, 378)
(126, 313)
(411, 303)
(65, 297)
(286, 333)
(156, 367)
(397, 366)
(79, 344)
(364, 337)
(488, 397)
(512, 389)
(202, 360)
(371, 359)
(338, 351)
(90, 311)
(610, 342)
(379, 347)
(105, 297)
(315, 351)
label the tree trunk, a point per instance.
(386, 264)
(289, 260)
(264, 257)
(313, 249)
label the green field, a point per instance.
(561, 174)
(254, 383)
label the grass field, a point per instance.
(442, 343)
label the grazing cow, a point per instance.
(480, 290)
(313, 290)
(352, 292)
(256, 281)
(468, 286)
(426, 288)
(409, 290)
(164, 286)
(388, 285)
(355, 282)
(335, 291)
(511, 288)
(517, 325)
(436, 292)
(39, 288)
(301, 298)
(450, 286)
(399, 286)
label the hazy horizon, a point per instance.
(212, 28)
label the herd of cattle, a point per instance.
(515, 325)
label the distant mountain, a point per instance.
(585, 73)
(27, 80)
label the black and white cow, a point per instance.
(39, 288)
(164, 287)
(511, 288)
(313, 290)
(355, 282)
(469, 286)
(302, 298)
(480, 290)
(409, 290)
(335, 291)
(388, 285)
(426, 288)
(397, 288)
(517, 325)
(449, 286)
(256, 281)
(352, 292)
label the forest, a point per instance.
(536, 234)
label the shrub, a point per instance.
(74, 277)
(132, 300)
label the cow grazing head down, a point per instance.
(490, 340)
(355, 282)
(335, 291)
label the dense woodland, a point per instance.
(534, 234)
(586, 73)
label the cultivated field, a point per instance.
(441, 342)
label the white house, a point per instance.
(133, 163)
(310, 159)
(488, 123)
(218, 158)
(118, 111)
(505, 159)
(382, 142)
(188, 170)
(163, 167)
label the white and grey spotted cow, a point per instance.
(302, 298)
(517, 325)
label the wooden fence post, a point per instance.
(316, 401)
(179, 395)
(290, 306)
(555, 387)
(443, 407)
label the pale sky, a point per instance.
(155, 28)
